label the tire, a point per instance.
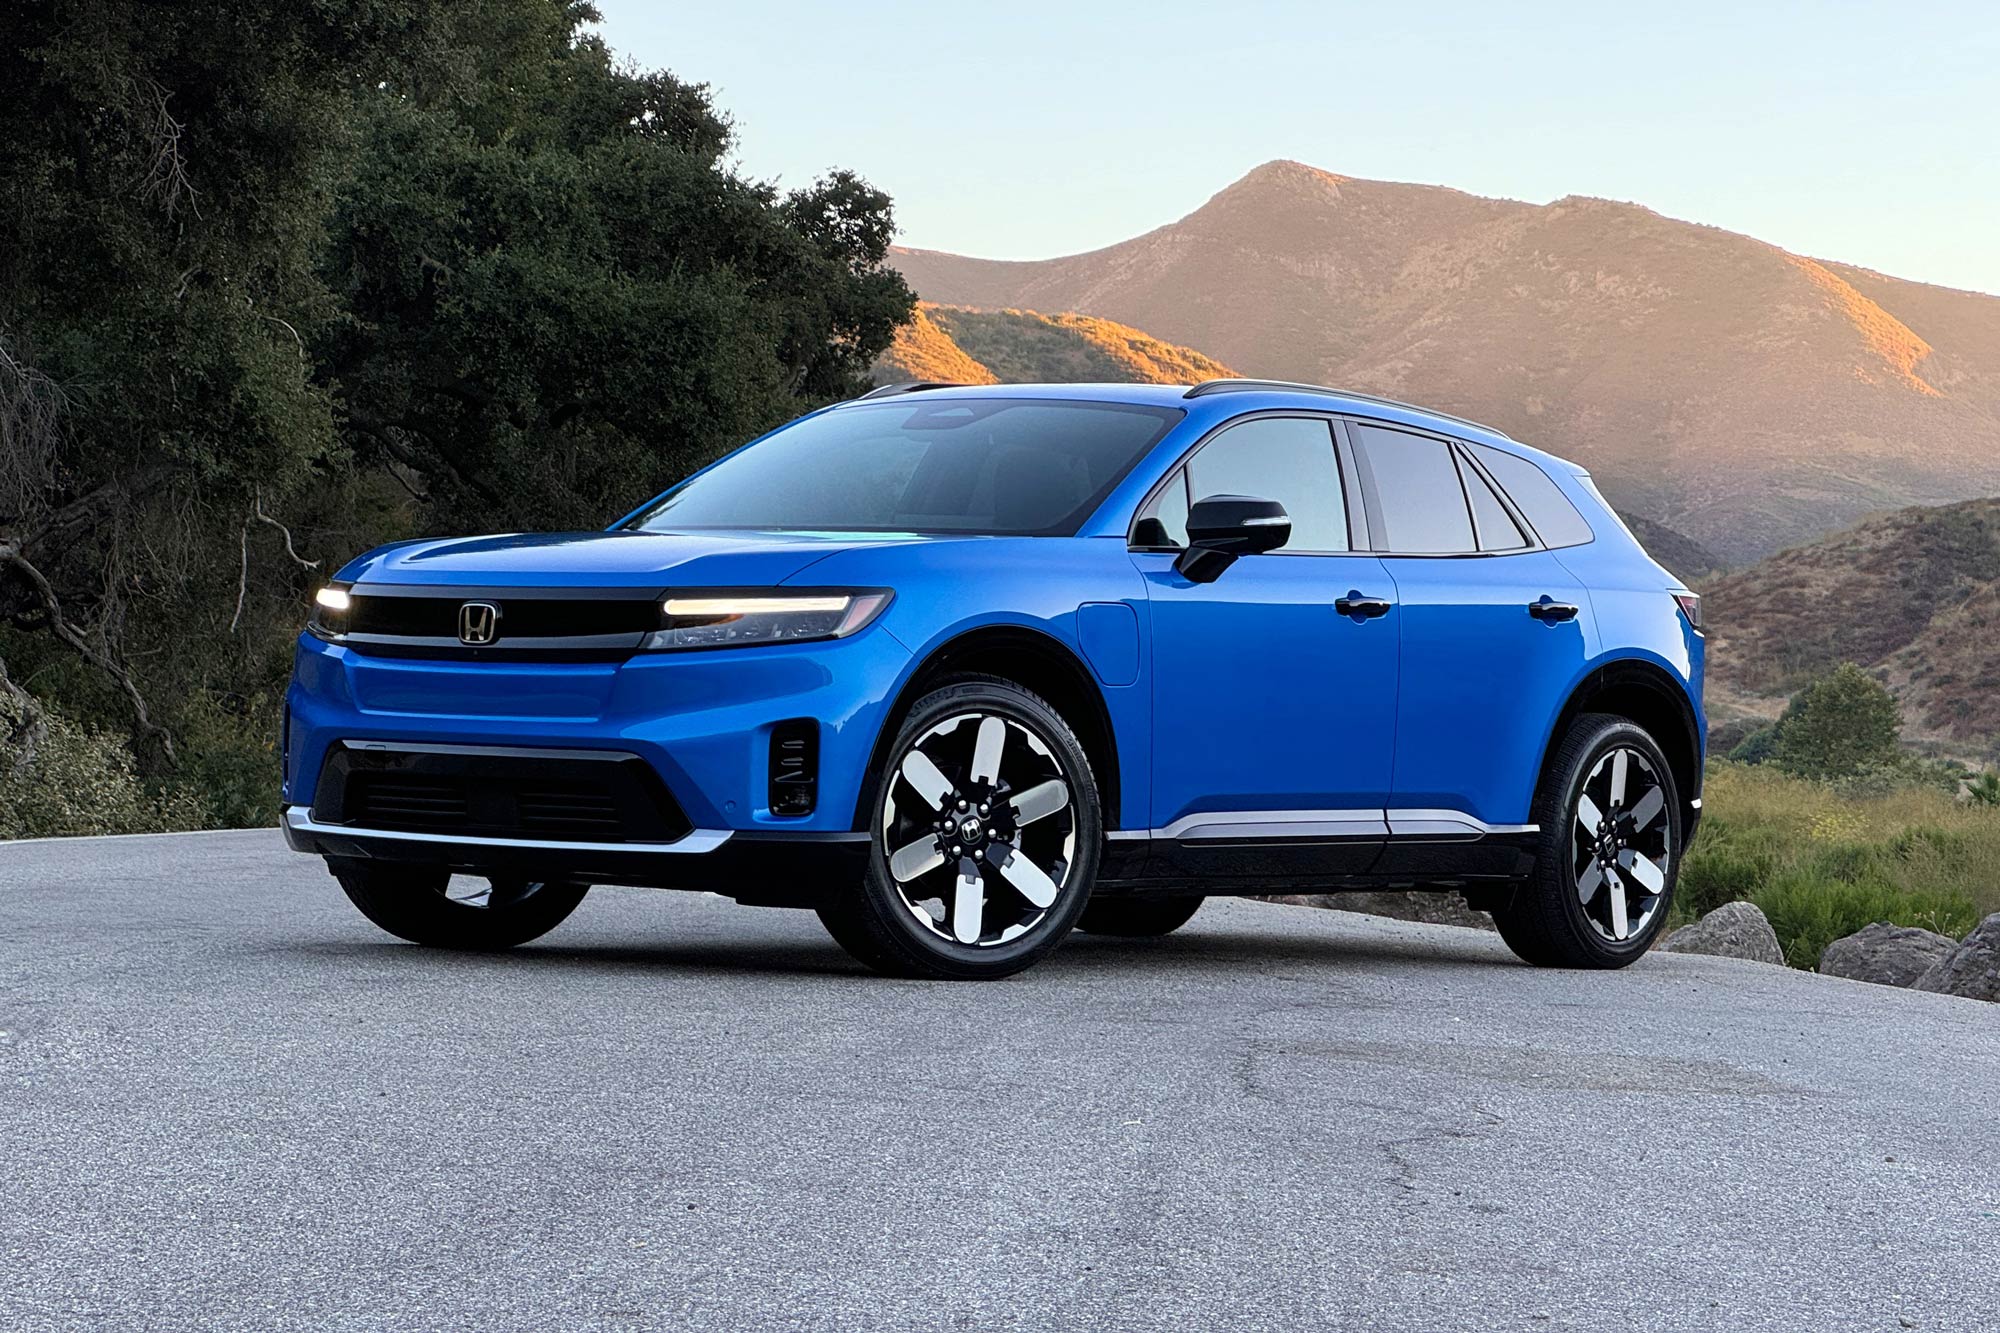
(411, 903)
(1604, 871)
(1138, 917)
(963, 884)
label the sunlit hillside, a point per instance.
(964, 345)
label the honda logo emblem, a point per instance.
(478, 623)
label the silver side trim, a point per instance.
(299, 819)
(1282, 825)
(1240, 824)
(1448, 824)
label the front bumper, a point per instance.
(702, 721)
(765, 868)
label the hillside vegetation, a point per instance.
(1913, 595)
(963, 345)
(1822, 862)
(1744, 396)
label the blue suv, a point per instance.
(961, 668)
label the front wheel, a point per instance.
(984, 835)
(429, 906)
(1607, 855)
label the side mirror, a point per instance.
(1223, 527)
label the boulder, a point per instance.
(1733, 930)
(1885, 955)
(1972, 968)
(1438, 907)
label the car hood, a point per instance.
(607, 559)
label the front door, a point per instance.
(1273, 712)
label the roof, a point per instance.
(1218, 399)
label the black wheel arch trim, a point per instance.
(993, 650)
(1614, 687)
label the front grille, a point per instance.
(551, 795)
(397, 800)
(528, 623)
(521, 617)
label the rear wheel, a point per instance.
(1135, 917)
(1608, 851)
(433, 907)
(985, 835)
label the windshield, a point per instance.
(997, 466)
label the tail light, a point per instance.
(1690, 605)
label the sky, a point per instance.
(1866, 133)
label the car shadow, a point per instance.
(1219, 946)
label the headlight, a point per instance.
(330, 608)
(732, 619)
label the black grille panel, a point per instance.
(554, 795)
(520, 617)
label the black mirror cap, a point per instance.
(1238, 525)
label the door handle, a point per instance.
(1551, 611)
(1355, 604)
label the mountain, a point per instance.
(964, 345)
(1914, 595)
(1747, 397)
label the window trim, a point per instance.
(1459, 451)
(1337, 438)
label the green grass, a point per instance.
(1822, 863)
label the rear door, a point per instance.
(1273, 712)
(1493, 632)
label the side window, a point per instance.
(1553, 517)
(1287, 459)
(1416, 482)
(1496, 527)
(1165, 521)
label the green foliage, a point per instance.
(1984, 789)
(79, 780)
(280, 282)
(1808, 912)
(1825, 859)
(1759, 747)
(1838, 726)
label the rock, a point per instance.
(1733, 930)
(1884, 954)
(1972, 968)
(1438, 907)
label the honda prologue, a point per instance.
(962, 668)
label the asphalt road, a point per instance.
(226, 1102)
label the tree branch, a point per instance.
(11, 557)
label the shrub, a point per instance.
(1841, 725)
(82, 781)
(1810, 911)
(1758, 747)
(1984, 789)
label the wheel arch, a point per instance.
(1649, 695)
(1037, 661)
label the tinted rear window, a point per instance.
(997, 466)
(1553, 517)
(1416, 481)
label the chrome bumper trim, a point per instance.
(299, 819)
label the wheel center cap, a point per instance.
(969, 830)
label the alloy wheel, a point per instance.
(1621, 844)
(979, 829)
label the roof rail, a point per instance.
(1207, 387)
(915, 386)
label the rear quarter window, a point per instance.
(1555, 520)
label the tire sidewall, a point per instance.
(884, 900)
(1558, 871)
